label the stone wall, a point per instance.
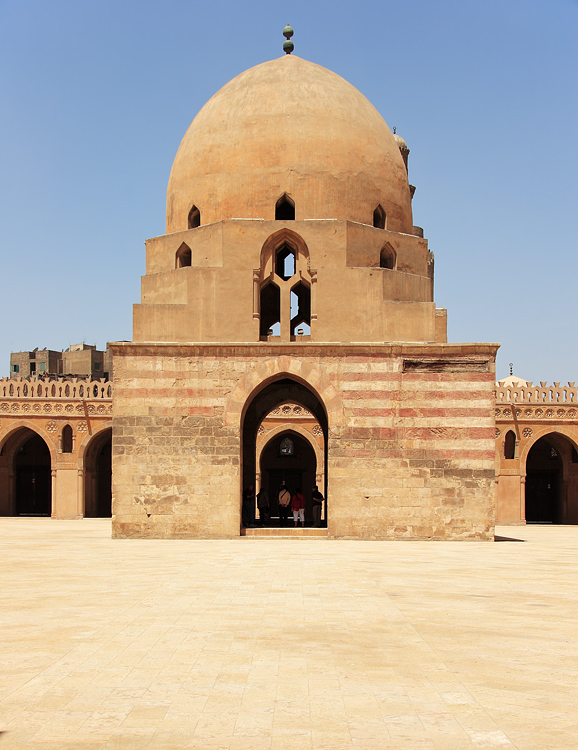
(410, 436)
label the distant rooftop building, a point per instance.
(77, 360)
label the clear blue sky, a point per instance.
(96, 97)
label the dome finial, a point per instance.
(288, 45)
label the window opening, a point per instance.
(285, 209)
(286, 448)
(270, 311)
(379, 218)
(67, 439)
(194, 218)
(387, 257)
(510, 445)
(300, 309)
(183, 256)
(285, 262)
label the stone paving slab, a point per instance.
(279, 644)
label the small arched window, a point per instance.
(510, 445)
(270, 309)
(379, 218)
(285, 209)
(285, 262)
(67, 439)
(183, 256)
(194, 218)
(300, 307)
(387, 257)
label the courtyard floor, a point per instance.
(271, 644)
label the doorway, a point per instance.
(298, 469)
(33, 478)
(290, 458)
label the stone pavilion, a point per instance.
(291, 275)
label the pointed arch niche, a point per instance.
(285, 209)
(387, 257)
(379, 217)
(194, 218)
(284, 289)
(183, 256)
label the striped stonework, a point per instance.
(410, 436)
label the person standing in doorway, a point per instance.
(249, 507)
(284, 498)
(317, 503)
(263, 505)
(298, 507)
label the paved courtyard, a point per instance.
(255, 644)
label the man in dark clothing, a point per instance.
(249, 507)
(317, 503)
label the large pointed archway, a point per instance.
(98, 476)
(552, 480)
(272, 393)
(26, 464)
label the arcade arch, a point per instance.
(98, 475)
(25, 474)
(551, 494)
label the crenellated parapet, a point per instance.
(529, 393)
(38, 393)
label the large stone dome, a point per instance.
(288, 126)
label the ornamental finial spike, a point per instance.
(288, 45)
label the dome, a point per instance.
(290, 127)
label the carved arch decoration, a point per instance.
(284, 241)
(289, 427)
